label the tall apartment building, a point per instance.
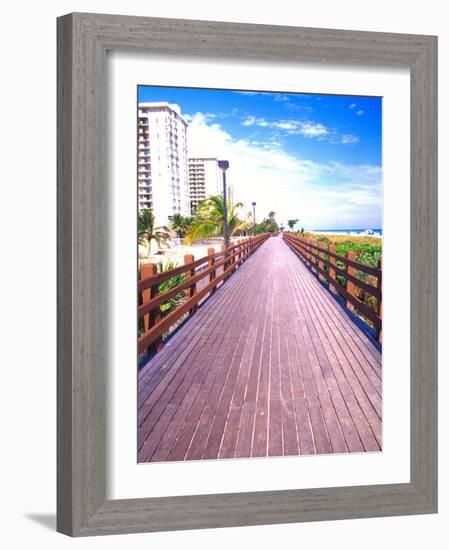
(163, 184)
(205, 179)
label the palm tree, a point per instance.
(178, 224)
(147, 231)
(291, 223)
(247, 225)
(209, 219)
(271, 215)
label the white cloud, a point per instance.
(292, 127)
(353, 105)
(206, 116)
(313, 129)
(281, 97)
(349, 138)
(359, 112)
(306, 128)
(249, 121)
(326, 195)
(248, 93)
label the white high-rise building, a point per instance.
(163, 184)
(205, 179)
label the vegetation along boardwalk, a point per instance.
(270, 365)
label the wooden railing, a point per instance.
(200, 280)
(328, 266)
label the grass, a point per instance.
(367, 250)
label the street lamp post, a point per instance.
(254, 218)
(224, 165)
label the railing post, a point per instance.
(379, 299)
(225, 264)
(231, 260)
(320, 261)
(154, 316)
(238, 258)
(211, 263)
(191, 291)
(332, 273)
(350, 286)
(311, 258)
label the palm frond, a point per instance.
(201, 229)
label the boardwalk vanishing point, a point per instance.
(271, 364)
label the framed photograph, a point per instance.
(247, 274)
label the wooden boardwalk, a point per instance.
(270, 365)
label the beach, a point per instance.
(178, 250)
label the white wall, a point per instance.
(27, 219)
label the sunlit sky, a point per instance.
(308, 156)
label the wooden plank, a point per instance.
(231, 430)
(312, 432)
(251, 382)
(338, 312)
(181, 352)
(298, 369)
(275, 432)
(350, 415)
(247, 421)
(212, 445)
(346, 343)
(182, 379)
(320, 372)
(361, 346)
(164, 325)
(200, 438)
(178, 341)
(188, 429)
(365, 409)
(260, 434)
(288, 412)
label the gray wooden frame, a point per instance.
(83, 40)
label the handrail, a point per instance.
(151, 300)
(322, 260)
(161, 277)
(357, 265)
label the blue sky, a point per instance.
(309, 156)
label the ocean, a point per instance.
(359, 232)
